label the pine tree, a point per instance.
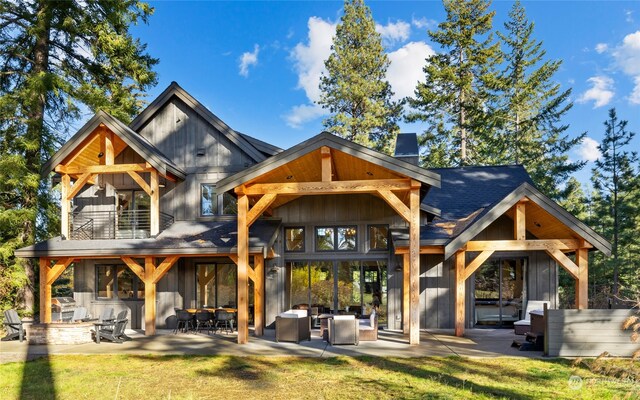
(355, 89)
(530, 108)
(616, 203)
(56, 55)
(459, 87)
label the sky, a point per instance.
(257, 65)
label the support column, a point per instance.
(460, 293)
(243, 265)
(155, 204)
(45, 292)
(65, 205)
(149, 297)
(582, 281)
(258, 295)
(414, 259)
(406, 289)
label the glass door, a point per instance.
(499, 291)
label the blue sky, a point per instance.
(256, 65)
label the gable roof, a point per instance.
(264, 147)
(337, 143)
(175, 90)
(139, 144)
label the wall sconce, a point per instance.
(398, 268)
(273, 271)
(163, 182)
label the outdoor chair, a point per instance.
(185, 321)
(79, 314)
(524, 325)
(107, 315)
(13, 326)
(343, 329)
(223, 317)
(203, 319)
(368, 327)
(293, 326)
(113, 332)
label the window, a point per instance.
(294, 239)
(378, 237)
(216, 285)
(341, 238)
(229, 204)
(208, 200)
(118, 281)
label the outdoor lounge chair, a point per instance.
(368, 328)
(79, 314)
(524, 325)
(293, 326)
(13, 326)
(343, 329)
(113, 332)
(107, 315)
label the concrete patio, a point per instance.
(475, 343)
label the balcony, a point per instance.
(101, 225)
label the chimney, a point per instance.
(407, 148)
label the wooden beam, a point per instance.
(395, 203)
(104, 169)
(164, 267)
(57, 269)
(65, 206)
(519, 222)
(476, 263)
(243, 266)
(460, 293)
(109, 153)
(260, 206)
(134, 266)
(45, 292)
(414, 259)
(326, 163)
(149, 297)
(258, 296)
(582, 282)
(565, 262)
(78, 185)
(523, 245)
(423, 250)
(140, 181)
(315, 188)
(406, 290)
(155, 204)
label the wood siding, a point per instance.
(588, 333)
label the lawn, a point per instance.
(213, 377)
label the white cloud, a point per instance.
(406, 66)
(423, 23)
(588, 150)
(601, 48)
(634, 97)
(394, 32)
(301, 114)
(627, 55)
(601, 91)
(248, 59)
(629, 15)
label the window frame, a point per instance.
(335, 248)
(135, 284)
(304, 239)
(214, 200)
(369, 236)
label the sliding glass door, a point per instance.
(499, 291)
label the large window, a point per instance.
(294, 239)
(209, 202)
(378, 237)
(118, 281)
(499, 291)
(216, 285)
(336, 238)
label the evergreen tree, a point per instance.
(616, 205)
(355, 90)
(530, 108)
(56, 55)
(459, 87)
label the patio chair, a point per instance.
(368, 327)
(13, 326)
(185, 321)
(343, 329)
(524, 325)
(79, 314)
(223, 317)
(113, 332)
(203, 319)
(293, 326)
(107, 315)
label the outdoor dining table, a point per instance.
(229, 310)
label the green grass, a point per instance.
(214, 377)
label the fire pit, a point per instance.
(59, 333)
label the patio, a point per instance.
(476, 343)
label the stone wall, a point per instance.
(61, 333)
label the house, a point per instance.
(178, 210)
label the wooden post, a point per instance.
(460, 293)
(326, 163)
(414, 260)
(582, 282)
(155, 204)
(45, 292)
(109, 153)
(519, 222)
(65, 205)
(258, 295)
(406, 289)
(243, 264)
(149, 297)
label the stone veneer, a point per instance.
(59, 333)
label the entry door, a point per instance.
(499, 291)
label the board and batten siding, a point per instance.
(588, 333)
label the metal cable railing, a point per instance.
(129, 224)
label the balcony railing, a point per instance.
(95, 225)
